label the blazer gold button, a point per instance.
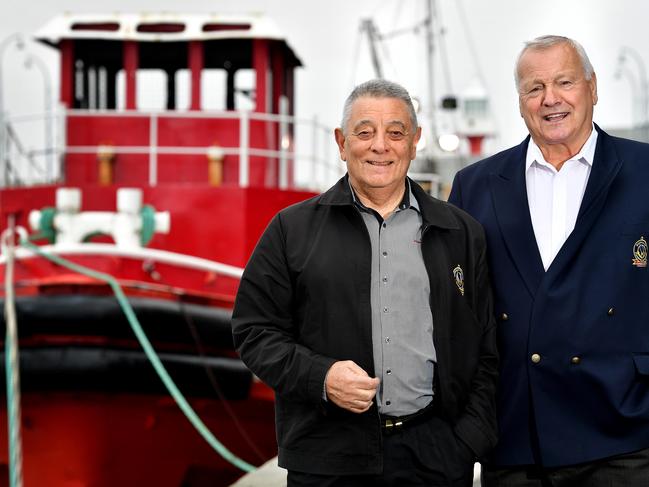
(504, 316)
(611, 311)
(536, 358)
(575, 360)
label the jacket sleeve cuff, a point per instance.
(317, 376)
(474, 437)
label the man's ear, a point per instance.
(593, 88)
(340, 141)
(415, 141)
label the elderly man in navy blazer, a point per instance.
(566, 214)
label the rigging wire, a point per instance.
(215, 384)
(387, 57)
(397, 12)
(470, 42)
(476, 60)
(357, 45)
(443, 53)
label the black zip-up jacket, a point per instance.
(304, 303)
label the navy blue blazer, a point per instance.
(586, 395)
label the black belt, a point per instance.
(396, 423)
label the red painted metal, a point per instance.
(101, 438)
(131, 62)
(475, 144)
(196, 67)
(260, 62)
(74, 439)
(67, 73)
(277, 63)
(290, 91)
(133, 131)
(221, 224)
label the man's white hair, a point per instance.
(545, 42)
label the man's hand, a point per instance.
(349, 387)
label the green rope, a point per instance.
(150, 353)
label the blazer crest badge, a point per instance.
(458, 274)
(640, 253)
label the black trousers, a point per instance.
(628, 470)
(427, 454)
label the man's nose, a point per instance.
(379, 142)
(550, 97)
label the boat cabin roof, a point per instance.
(159, 27)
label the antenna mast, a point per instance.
(373, 38)
(430, 45)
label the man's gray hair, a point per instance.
(378, 88)
(545, 42)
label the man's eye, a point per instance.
(396, 134)
(365, 134)
(565, 83)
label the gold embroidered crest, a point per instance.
(458, 274)
(640, 253)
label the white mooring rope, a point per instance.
(12, 366)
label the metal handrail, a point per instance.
(321, 174)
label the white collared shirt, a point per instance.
(554, 197)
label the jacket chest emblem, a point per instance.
(458, 274)
(640, 253)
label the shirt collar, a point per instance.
(408, 200)
(586, 154)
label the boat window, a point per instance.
(94, 26)
(213, 89)
(161, 27)
(473, 107)
(183, 89)
(225, 27)
(151, 93)
(151, 90)
(244, 89)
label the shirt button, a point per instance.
(387, 339)
(389, 371)
(536, 358)
(387, 403)
(385, 278)
(385, 254)
(575, 360)
(385, 310)
(504, 316)
(611, 311)
(385, 224)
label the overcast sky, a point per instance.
(325, 35)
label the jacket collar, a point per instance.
(509, 196)
(511, 208)
(434, 212)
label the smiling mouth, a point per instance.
(555, 117)
(379, 163)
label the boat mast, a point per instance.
(373, 37)
(430, 46)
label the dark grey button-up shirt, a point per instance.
(402, 322)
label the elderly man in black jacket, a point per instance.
(368, 310)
